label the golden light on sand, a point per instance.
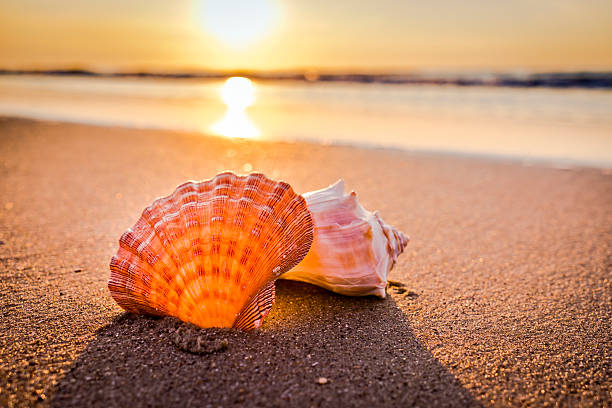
(238, 94)
(237, 23)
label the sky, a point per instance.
(380, 35)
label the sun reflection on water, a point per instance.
(238, 94)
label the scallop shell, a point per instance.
(210, 252)
(353, 249)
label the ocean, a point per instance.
(563, 126)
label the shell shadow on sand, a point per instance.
(316, 348)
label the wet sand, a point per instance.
(508, 280)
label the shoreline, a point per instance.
(555, 163)
(508, 299)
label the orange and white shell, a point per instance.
(210, 252)
(353, 249)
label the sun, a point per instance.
(237, 23)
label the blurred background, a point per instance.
(520, 79)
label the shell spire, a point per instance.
(353, 249)
(210, 252)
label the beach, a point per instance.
(507, 300)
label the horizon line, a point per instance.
(514, 78)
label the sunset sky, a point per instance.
(285, 35)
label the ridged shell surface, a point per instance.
(353, 249)
(210, 252)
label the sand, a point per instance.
(507, 276)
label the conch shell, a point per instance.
(353, 249)
(210, 252)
